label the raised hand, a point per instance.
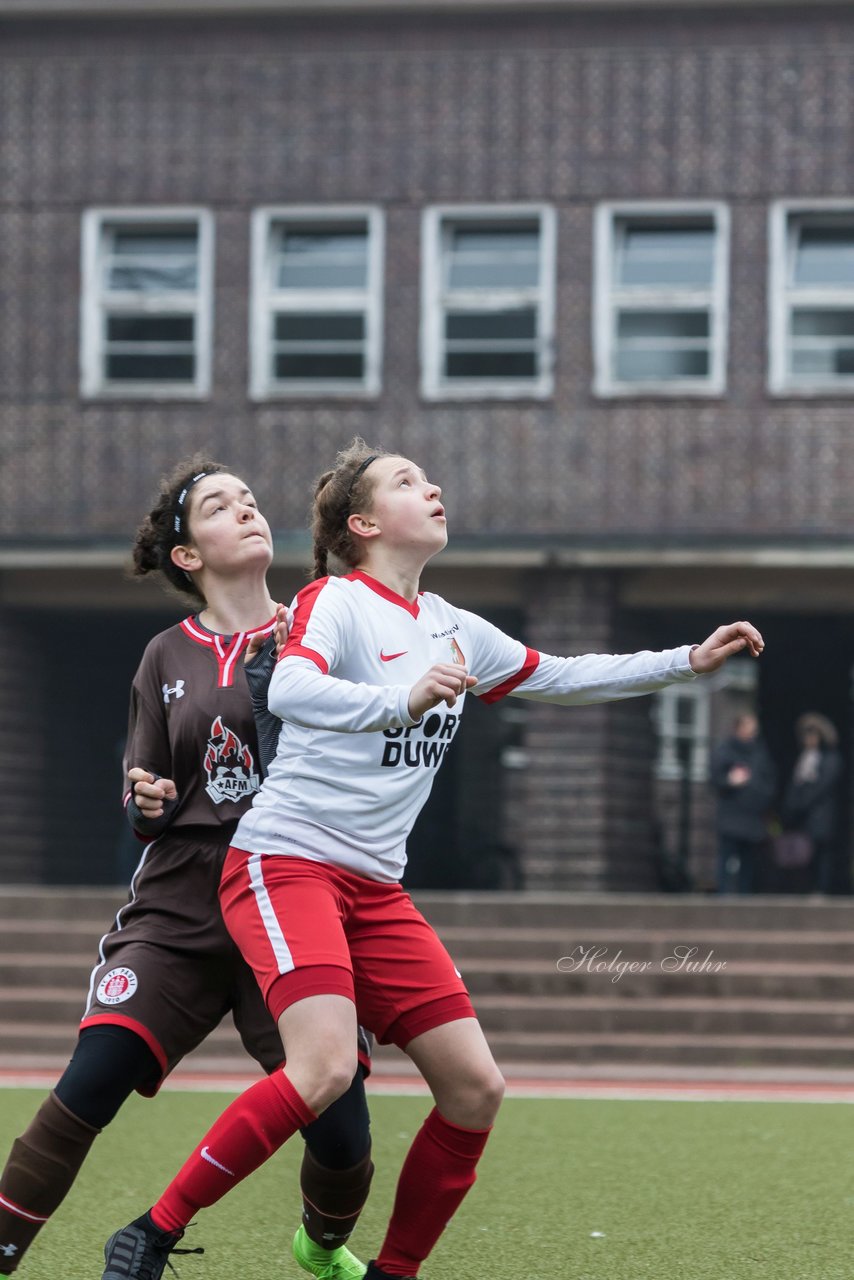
(736, 637)
(444, 682)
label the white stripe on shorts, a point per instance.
(276, 938)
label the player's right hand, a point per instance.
(442, 683)
(150, 792)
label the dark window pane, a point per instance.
(825, 256)
(150, 368)
(822, 324)
(685, 713)
(662, 256)
(154, 242)
(483, 325)
(150, 328)
(499, 365)
(644, 365)
(307, 367)
(663, 324)
(311, 327)
(495, 240)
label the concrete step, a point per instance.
(767, 980)
(557, 979)
(223, 1052)
(511, 944)
(792, 1018)
(42, 991)
(558, 911)
(680, 912)
(23, 944)
(697, 1050)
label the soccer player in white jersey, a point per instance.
(370, 688)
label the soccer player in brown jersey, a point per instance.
(168, 970)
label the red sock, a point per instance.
(245, 1135)
(436, 1174)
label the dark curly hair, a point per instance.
(165, 527)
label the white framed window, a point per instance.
(316, 307)
(660, 299)
(811, 297)
(488, 298)
(147, 302)
(681, 714)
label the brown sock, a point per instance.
(332, 1199)
(41, 1168)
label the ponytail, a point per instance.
(337, 494)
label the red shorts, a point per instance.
(309, 928)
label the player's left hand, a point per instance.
(737, 637)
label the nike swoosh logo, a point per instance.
(390, 657)
(204, 1153)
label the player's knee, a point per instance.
(477, 1097)
(335, 1079)
(490, 1092)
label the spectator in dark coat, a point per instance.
(811, 802)
(743, 776)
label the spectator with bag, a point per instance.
(811, 802)
(744, 777)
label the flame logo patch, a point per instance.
(230, 766)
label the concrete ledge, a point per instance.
(304, 8)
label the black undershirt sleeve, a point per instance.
(259, 673)
(144, 826)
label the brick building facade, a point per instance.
(594, 507)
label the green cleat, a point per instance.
(326, 1264)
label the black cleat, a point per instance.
(140, 1251)
(373, 1273)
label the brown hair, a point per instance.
(165, 526)
(337, 493)
(813, 722)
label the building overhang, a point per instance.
(316, 8)
(293, 551)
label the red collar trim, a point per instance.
(196, 632)
(226, 657)
(411, 606)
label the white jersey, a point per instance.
(353, 769)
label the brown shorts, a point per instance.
(168, 969)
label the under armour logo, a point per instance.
(8, 1250)
(178, 691)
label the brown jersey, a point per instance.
(191, 720)
(168, 968)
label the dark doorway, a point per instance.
(89, 661)
(808, 665)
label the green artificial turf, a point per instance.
(678, 1191)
